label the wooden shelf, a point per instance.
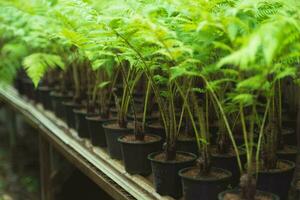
(107, 173)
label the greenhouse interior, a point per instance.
(149, 99)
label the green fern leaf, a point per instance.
(37, 64)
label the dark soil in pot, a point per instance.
(69, 115)
(44, 97)
(156, 128)
(229, 162)
(81, 124)
(96, 131)
(235, 195)
(112, 133)
(277, 181)
(288, 153)
(289, 136)
(187, 144)
(207, 187)
(165, 173)
(57, 99)
(135, 153)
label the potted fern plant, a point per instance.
(263, 81)
(202, 181)
(146, 44)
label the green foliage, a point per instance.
(37, 64)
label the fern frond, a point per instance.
(37, 64)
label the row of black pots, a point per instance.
(134, 154)
(166, 179)
(274, 183)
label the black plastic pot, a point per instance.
(81, 125)
(289, 136)
(113, 112)
(112, 133)
(187, 144)
(289, 122)
(222, 194)
(96, 131)
(57, 99)
(135, 154)
(69, 115)
(239, 139)
(156, 128)
(28, 89)
(289, 152)
(204, 188)
(276, 181)
(165, 173)
(228, 162)
(139, 117)
(19, 84)
(44, 97)
(213, 130)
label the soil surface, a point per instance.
(287, 131)
(179, 157)
(147, 138)
(81, 110)
(231, 196)
(230, 153)
(99, 118)
(288, 149)
(214, 174)
(186, 137)
(281, 166)
(117, 127)
(155, 125)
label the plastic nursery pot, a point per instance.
(229, 162)
(69, 115)
(96, 130)
(156, 128)
(81, 125)
(139, 117)
(135, 152)
(239, 139)
(213, 129)
(289, 136)
(277, 181)
(165, 173)
(29, 89)
(44, 96)
(206, 187)
(187, 144)
(18, 85)
(112, 133)
(288, 152)
(113, 112)
(289, 122)
(57, 99)
(236, 194)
